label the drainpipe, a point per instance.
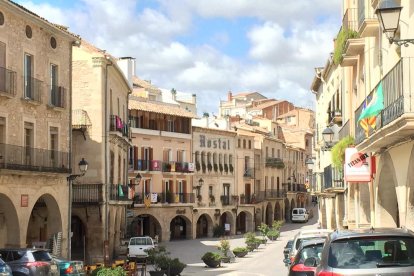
(106, 234)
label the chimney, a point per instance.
(229, 96)
(194, 98)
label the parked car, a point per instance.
(307, 249)
(30, 261)
(300, 214)
(5, 269)
(287, 248)
(306, 235)
(68, 267)
(137, 247)
(366, 252)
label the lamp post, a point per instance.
(198, 187)
(83, 167)
(389, 16)
(327, 136)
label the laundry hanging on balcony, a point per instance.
(120, 191)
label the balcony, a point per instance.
(33, 159)
(57, 96)
(119, 192)
(178, 167)
(147, 165)
(347, 43)
(117, 125)
(7, 82)
(33, 89)
(176, 198)
(332, 179)
(227, 200)
(395, 122)
(274, 163)
(335, 117)
(368, 24)
(87, 194)
(344, 131)
(268, 194)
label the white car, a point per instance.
(137, 247)
(300, 214)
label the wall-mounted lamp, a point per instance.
(200, 183)
(389, 16)
(327, 136)
(309, 163)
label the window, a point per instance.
(267, 152)
(28, 72)
(210, 190)
(180, 156)
(273, 152)
(2, 131)
(170, 125)
(278, 153)
(250, 144)
(119, 170)
(244, 143)
(54, 89)
(54, 145)
(28, 142)
(238, 143)
(53, 42)
(28, 31)
(167, 155)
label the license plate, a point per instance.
(53, 267)
(78, 267)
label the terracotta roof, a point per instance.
(57, 26)
(160, 108)
(264, 105)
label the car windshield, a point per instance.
(42, 256)
(289, 244)
(141, 241)
(300, 240)
(372, 252)
(314, 251)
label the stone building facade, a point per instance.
(35, 98)
(101, 135)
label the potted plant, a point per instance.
(158, 257)
(224, 247)
(211, 259)
(264, 229)
(175, 267)
(240, 251)
(250, 240)
(273, 234)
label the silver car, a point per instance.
(385, 252)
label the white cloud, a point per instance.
(288, 40)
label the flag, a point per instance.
(375, 105)
(120, 191)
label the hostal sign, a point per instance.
(357, 166)
(214, 143)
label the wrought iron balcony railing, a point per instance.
(118, 192)
(248, 172)
(181, 167)
(7, 81)
(275, 163)
(33, 89)
(57, 96)
(147, 165)
(87, 194)
(33, 159)
(396, 96)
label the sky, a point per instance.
(210, 47)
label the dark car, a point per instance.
(67, 267)
(385, 252)
(5, 269)
(30, 261)
(287, 248)
(307, 249)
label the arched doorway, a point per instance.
(241, 222)
(78, 245)
(45, 224)
(204, 226)
(278, 215)
(180, 228)
(145, 225)
(227, 222)
(9, 223)
(388, 212)
(287, 210)
(292, 206)
(269, 214)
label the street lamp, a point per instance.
(83, 167)
(327, 136)
(309, 164)
(389, 16)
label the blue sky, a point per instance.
(209, 47)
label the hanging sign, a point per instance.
(357, 167)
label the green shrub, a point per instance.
(338, 151)
(211, 256)
(341, 40)
(273, 234)
(224, 247)
(106, 271)
(240, 250)
(277, 224)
